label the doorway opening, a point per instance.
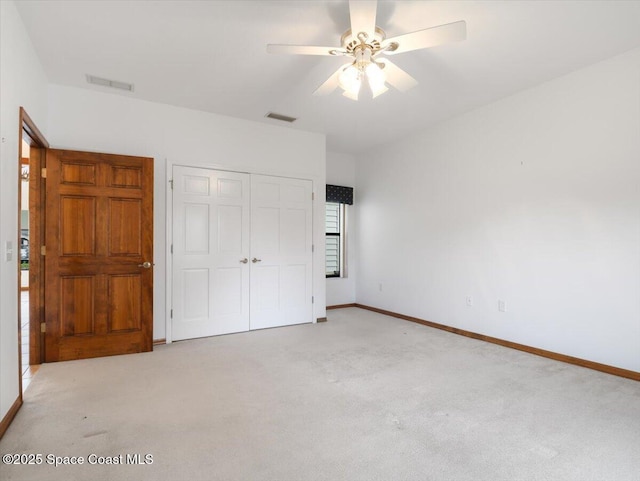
(26, 370)
(31, 145)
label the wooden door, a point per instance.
(210, 252)
(99, 255)
(281, 251)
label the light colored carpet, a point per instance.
(361, 397)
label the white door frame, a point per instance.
(169, 229)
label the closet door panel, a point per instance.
(281, 242)
(210, 251)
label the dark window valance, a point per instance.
(338, 193)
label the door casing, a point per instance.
(30, 133)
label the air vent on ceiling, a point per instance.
(283, 118)
(114, 84)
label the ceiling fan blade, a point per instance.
(363, 17)
(331, 83)
(304, 50)
(397, 77)
(429, 37)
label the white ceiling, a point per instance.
(211, 55)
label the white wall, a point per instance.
(341, 170)
(83, 119)
(535, 200)
(22, 83)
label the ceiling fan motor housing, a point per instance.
(350, 43)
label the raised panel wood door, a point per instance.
(99, 255)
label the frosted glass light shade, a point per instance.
(350, 81)
(376, 79)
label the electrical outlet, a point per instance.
(469, 301)
(502, 305)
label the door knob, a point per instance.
(254, 260)
(245, 260)
(146, 265)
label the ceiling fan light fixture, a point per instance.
(350, 80)
(364, 67)
(379, 90)
(350, 95)
(376, 79)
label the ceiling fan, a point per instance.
(366, 44)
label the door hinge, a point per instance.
(43, 172)
(43, 250)
(172, 248)
(43, 327)
(171, 313)
(313, 196)
(313, 248)
(312, 300)
(171, 183)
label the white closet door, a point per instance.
(210, 251)
(281, 240)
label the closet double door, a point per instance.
(241, 252)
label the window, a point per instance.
(334, 229)
(337, 198)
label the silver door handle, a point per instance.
(254, 260)
(245, 260)
(146, 265)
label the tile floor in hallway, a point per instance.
(27, 371)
